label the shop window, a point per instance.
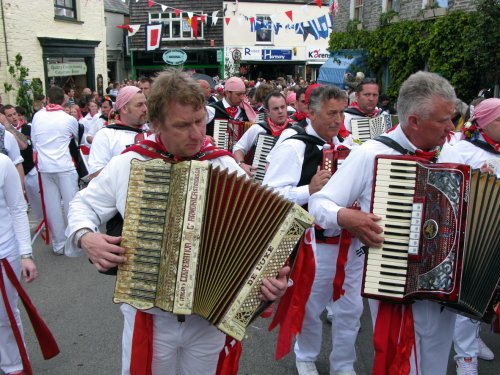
(65, 8)
(358, 10)
(263, 29)
(177, 27)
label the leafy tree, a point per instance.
(25, 90)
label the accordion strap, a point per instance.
(483, 145)
(392, 144)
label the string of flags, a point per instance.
(318, 28)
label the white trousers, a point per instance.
(57, 186)
(192, 346)
(346, 310)
(434, 328)
(10, 358)
(465, 338)
(33, 192)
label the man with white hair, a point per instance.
(233, 106)
(128, 128)
(425, 106)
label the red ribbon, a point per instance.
(393, 339)
(292, 307)
(142, 344)
(229, 357)
(46, 340)
(338, 281)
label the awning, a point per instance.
(333, 70)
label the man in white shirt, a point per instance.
(294, 172)
(51, 132)
(425, 106)
(365, 104)
(128, 128)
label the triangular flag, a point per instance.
(252, 20)
(194, 26)
(190, 15)
(163, 8)
(132, 29)
(323, 27)
(303, 8)
(177, 12)
(306, 33)
(289, 13)
(214, 17)
(277, 27)
(150, 4)
(203, 18)
(227, 19)
(319, 3)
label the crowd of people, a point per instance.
(174, 117)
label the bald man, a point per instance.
(205, 87)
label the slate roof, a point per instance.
(116, 6)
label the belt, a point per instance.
(319, 233)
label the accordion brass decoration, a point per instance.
(200, 241)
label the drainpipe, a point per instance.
(4, 32)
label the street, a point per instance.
(76, 303)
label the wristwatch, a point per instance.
(77, 239)
(27, 256)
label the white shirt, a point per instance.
(14, 226)
(106, 144)
(211, 110)
(51, 133)
(249, 139)
(12, 147)
(355, 179)
(88, 123)
(107, 193)
(283, 173)
(476, 157)
(97, 125)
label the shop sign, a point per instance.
(66, 69)
(277, 54)
(317, 53)
(175, 57)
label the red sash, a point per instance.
(46, 340)
(142, 340)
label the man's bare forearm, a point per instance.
(21, 139)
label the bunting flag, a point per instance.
(330, 15)
(132, 29)
(299, 28)
(289, 13)
(163, 8)
(194, 26)
(153, 36)
(318, 2)
(214, 17)
(204, 18)
(277, 27)
(323, 27)
(150, 4)
(190, 15)
(227, 19)
(314, 29)
(306, 33)
(177, 12)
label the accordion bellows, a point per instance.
(200, 241)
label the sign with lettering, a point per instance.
(315, 53)
(66, 69)
(277, 54)
(175, 57)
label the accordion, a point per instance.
(370, 128)
(441, 226)
(263, 147)
(333, 159)
(228, 132)
(200, 241)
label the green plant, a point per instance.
(26, 89)
(385, 18)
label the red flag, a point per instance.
(252, 20)
(151, 3)
(227, 20)
(153, 36)
(177, 12)
(194, 26)
(319, 3)
(289, 13)
(203, 18)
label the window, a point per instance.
(429, 4)
(358, 10)
(263, 29)
(177, 27)
(392, 5)
(65, 8)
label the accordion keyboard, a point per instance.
(393, 201)
(220, 134)
(265, 144)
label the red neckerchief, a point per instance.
(53, 108)
(427, 155)
(343, 132)
(300, 116)
(156, 149)
(276, 130)
(232, 111)
(373, 114)
(491, 142)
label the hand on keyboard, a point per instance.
(103, 250)
(248, 169)
(362, 225)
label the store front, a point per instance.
(69, 63)
(316, 57)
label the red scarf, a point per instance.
(53, 108)
(276, 129)
(232, 111)
(300, 116)
(491, 142)
(374, 113)
(473, 131)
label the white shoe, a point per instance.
(306, 368)
(467, 366)
(343, 372)
(485, 352)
